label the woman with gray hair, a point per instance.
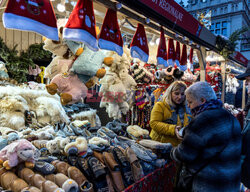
(211, 147)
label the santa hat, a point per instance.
(110, 36)
(81, 25)
(183, 62)
(177, 54)
(31, 15)
(171, 52)
(162, 50)
(139, 45)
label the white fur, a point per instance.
(98, 140)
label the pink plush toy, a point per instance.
(19, 151)
(69, 86)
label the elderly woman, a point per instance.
(211, 146)
(169, 114)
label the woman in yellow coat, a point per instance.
(170, 114)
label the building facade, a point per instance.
(226, 17)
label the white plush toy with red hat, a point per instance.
(62, 56)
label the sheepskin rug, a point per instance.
(14, 101)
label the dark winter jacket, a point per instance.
(207, 134)
(245, 175)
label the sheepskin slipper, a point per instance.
(49, 186)
(151, 144)
(7, 178)
(98, 141)
(80, 143)
(65, 183)
(18, 185)
(136, 131)
(31, 189)
(6, 130)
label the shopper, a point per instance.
(169, 114)
(210, 151)
(245, 175)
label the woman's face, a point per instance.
(192, 103)
(178, 96)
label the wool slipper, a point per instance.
(98, 141)
(114, 171)
(82, 164)
(31, 189)
(26, 174)
(66, 183)
(121, 159)
(44, 167)
(76, 175)
(97, 169)
(49, 186)
(37, 180)
(18, 185)
(7, 178)
(136, 167)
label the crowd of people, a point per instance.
(211, 150)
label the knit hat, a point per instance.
(139, 45)
(138, 72)
(177, 54)
(81, 25)
(110, 36)
(171, 52)
(183, 62)
(32, 15)
(162, 50)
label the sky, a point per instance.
(185, 1)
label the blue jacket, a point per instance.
(206, 135)
(245, 175)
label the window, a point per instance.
(212, 26)
(224, 24)
(225, 9)
(217, 25)
(221, 10)
(219, 28)
(224, 32)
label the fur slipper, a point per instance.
(98, 141)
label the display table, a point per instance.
(160, 180)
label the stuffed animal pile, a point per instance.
(74, 69)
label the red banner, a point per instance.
(175, 13)
(241, 58)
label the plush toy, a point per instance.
(8, 139)
(116, 87)
(3, 71)
(61, 53)
(69, 86)
(89, 63)
(19, 151)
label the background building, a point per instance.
(226, 17)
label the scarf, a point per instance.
(212, 104)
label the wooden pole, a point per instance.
(201, 53)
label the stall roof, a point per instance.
(171, 15)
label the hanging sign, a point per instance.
(175, 13)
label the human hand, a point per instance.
(177, 128)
